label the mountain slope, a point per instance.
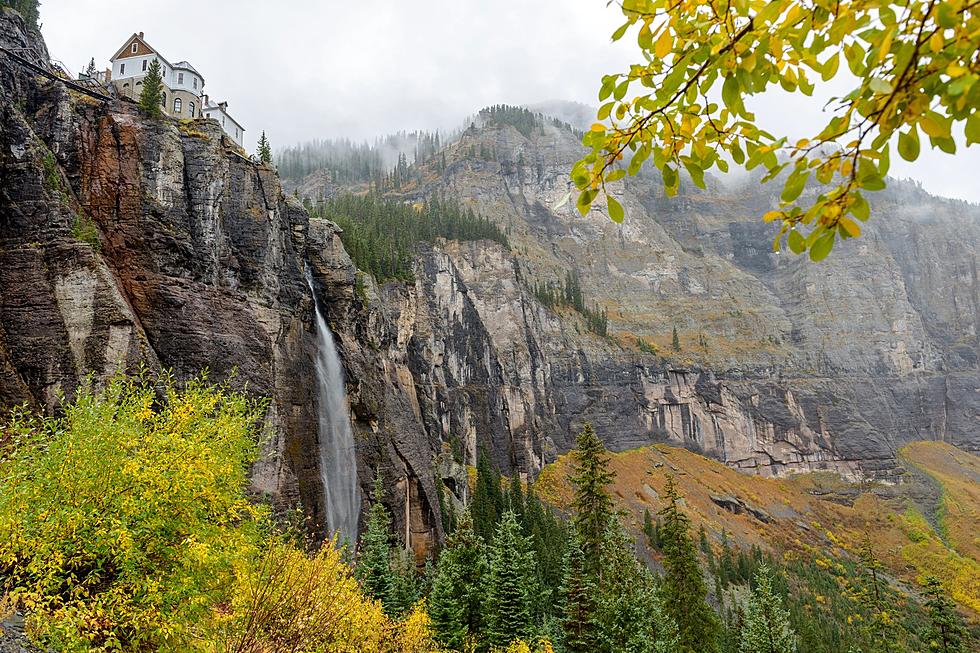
(783, 365)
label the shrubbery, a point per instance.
(124, 525)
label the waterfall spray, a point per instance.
(338, 465)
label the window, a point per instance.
(194, 79)
(222, 121)
(180, 78)
(144, 65)
(163, 100)
(190, 109)
(135, 47)
(177, 105)
(122, 69)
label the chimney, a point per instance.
(141, 34)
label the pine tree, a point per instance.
(549, 540)
(579, 598)
(766, 628)
(946, 632)
(628, 614)
(456, 601)
(592, 506)
(684, 590)
(374, 553)
(488, 499)
(406, 585)
(264, 150)
(510, 585)
(675, 341)
(880, 631)
(151, 97)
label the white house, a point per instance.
(183, 96)
(219, 112)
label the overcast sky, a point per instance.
(304, 69)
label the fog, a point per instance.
(303, 69)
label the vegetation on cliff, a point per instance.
(26, 8)
(381, 234)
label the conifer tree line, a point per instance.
(568, 293)
(514, 569)
(26, 8)
(381, 234)
(352, 162)
(523, 120)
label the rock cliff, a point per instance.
(129, 243)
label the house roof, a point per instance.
(139, 38)
(184, 65)
(216, 106)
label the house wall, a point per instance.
(188, 83)
(233, 129)
(133, 67)
(186, 98)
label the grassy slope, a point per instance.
(815, 514)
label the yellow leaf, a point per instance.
(664, 44)
(598, 127)
(955, 70)
(850, 227)
(772, 216)
(936, 41)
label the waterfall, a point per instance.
(338, 465)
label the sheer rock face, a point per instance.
(127, 242)
(802, 366)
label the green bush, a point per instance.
(123, 521)
(85, 230)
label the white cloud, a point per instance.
(303, 69)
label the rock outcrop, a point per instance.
(129, 243)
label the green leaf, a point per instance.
(860, 208)
(830, 67)
(908, 144)
(616, 213)
(697, 174)
(796, 242)
(878, 85)
(972, 128)
(605, 110)
(618, 34)
(729, 94)
(822, 247)
(794, 185)
(585, 200)
(615, 175)
(670, 180)
(738, 156)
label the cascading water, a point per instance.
(338, 465)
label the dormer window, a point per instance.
(135, 47)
